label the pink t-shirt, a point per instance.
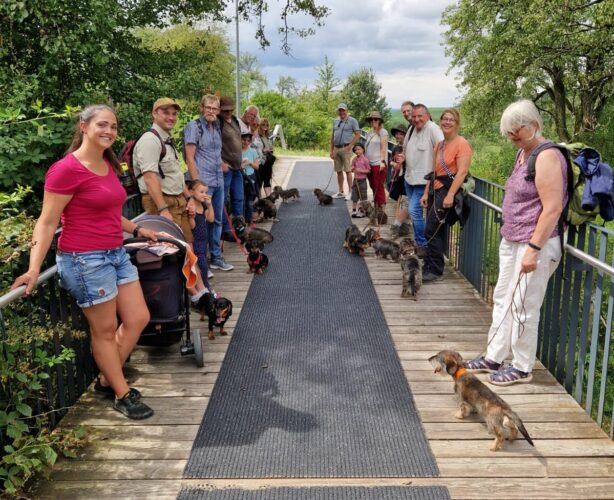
(92, 218)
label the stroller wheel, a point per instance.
(198, 348)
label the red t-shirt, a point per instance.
(92, 218)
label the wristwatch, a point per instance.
(135, 233)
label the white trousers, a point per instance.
(517, 302)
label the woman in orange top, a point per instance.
(450, 167)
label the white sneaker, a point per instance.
(348, 197)
(210, 274)
(339, 194)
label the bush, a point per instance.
(29, 446)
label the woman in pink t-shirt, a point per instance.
(82, 191)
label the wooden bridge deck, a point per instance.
(572, 458)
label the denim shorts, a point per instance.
(93, 277)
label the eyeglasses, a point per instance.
(451, 120)
(515, 132)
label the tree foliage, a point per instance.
(287, 86)
(362, 95)
(327, 85)
(558, 53)
(251, 77)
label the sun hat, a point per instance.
(374, 115)
(165, 101)
(227, 103)
(399, 128)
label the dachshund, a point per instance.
(217, 310)
(323, 198)
(246, 233)
(474, 396)
(266, 209)
(256, 260)
(286, 194)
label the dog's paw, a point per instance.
(459, 414)
(211, 336)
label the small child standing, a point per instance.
(361, 167)
(249, 165)
(203, 213)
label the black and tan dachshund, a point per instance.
(256, 260)
(217, 310)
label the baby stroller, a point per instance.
(163, 285)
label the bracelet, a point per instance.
(534, 246)
(162, 208)
(136, 230)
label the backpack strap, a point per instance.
(530, 177)
(162, 150)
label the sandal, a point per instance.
(509, 376)
(482, 365)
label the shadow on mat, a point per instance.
(240, 416)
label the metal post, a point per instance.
(237, 81)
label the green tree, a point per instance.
(362, 95)
(287, 86)
(560, 54)
(185, 62)
(252, 79)
(326, 85)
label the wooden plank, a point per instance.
(543, 448)
(516, 401)
(539, 414)
(462, 429)
(133, 470)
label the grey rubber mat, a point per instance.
(311, 385)
(321, 493)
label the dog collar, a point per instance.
(459, 373)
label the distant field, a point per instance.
(397, 117)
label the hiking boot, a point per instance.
(107, 390)
(132, 407)
(429, 277)
(221, 264)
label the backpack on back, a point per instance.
(126, 159)
(590, 183)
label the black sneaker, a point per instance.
(107, 390)
(133, 407)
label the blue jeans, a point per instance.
(414, 193)
(214, 229)
(233, 190)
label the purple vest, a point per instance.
(521, 204)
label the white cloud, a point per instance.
(400, 40)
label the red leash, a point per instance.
(234, 234)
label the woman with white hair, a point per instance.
(530, 248)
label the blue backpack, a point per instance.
(590, 183)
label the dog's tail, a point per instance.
(516, 419)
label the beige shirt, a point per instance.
(419, 153)
(145, 158)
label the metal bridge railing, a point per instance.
(575, 335)
(47, 306)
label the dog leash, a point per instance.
(234, 233)
(515, 311)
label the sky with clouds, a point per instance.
(401, 41)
